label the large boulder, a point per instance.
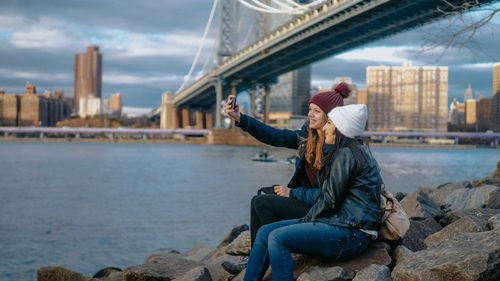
(376, 253)
(464, 225)
(471, 256)
(496, 173)
(59, 274)
(494, 222)
(200, 253)
(420, 206)
(318, 273)
(481, 214)
(235, 232)
(419, 230)
(374, 272)
(439, 194)
(109, 274)
(401, 253)
(491, 181)
(196, 274)
(487, 196)
(241, 245)
(160, 267)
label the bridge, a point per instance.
(331, 28)
(112, 133)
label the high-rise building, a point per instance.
(496, 96)
(292, 92)
(115, 103)
(471, 115)
(469, 94)
(88, 75)
(407, 98)
(484, 114)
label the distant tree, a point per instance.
(461, 28)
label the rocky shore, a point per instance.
(454, 235)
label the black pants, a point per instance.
(268, 208)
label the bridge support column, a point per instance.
(266, 104)
(199, 119)
(218, 103)
(252, 98)
(456, 140)
(41, 135)
(185, 118)
(168, 115)
(208, 120)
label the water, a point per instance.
(86, 206)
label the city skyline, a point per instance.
(148, 48)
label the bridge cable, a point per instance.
(207, 27)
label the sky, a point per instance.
(148, 48)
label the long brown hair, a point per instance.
(314, 146)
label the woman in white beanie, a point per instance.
(345, 217)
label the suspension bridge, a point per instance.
(317, 30)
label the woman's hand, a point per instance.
(282, 191)
(233, 112)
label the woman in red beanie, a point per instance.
(296, 198)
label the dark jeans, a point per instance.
(268, 208)
(276, 241)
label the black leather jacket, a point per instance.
(350, 197)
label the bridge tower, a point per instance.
(228, 39)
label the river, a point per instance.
(86, 206)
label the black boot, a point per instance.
(233, 268)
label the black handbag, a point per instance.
(267, 190)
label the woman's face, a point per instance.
(329, 132)
(316, 117)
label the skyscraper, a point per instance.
(496, 96)
(407, 98)
(469, 94)
(88, 75)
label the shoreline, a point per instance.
(203, 141)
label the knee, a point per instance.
(254, 199)
(276, 239)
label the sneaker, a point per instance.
(233, 268)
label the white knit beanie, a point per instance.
(350, 120)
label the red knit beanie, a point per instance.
(329, 100)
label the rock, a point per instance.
(317, 273)
(148, 272)
(160, 267)
(214, 265)
(59, 274)
(109, 274)
(200, 253)
(471, 256)
(196, 274)
(494, 222)
(376, 253)
(482, 213)
(374, 272)
(419, 230)
(399, 195)
(240, 245)
(420, 206)
(401, 253)
(461, 226)
(487, 196)
(426, 190)
(491, 181)
(235, 232)
(439, 194)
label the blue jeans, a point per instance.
(276, 241)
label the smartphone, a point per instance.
(233, 104)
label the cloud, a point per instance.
(34, 75)
(377, 54)
(128, 79)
